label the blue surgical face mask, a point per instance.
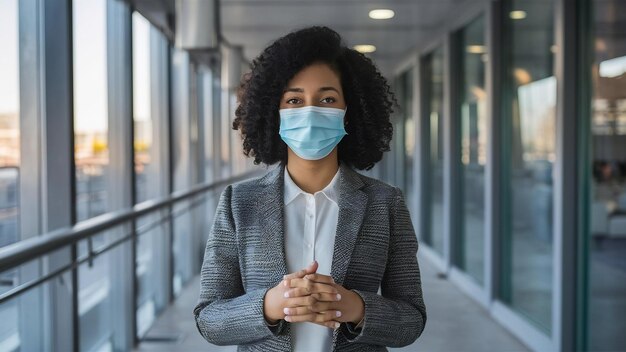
(312, 132)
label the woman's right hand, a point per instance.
(274, 301)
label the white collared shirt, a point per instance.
(310, 228)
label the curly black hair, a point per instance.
(365, 90)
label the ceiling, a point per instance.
(254, 24)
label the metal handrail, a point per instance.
(30, 249)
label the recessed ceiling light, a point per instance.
(476, 49)
(364, 48)
(517, 15)
(382, 14)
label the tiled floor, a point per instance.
(455, 323)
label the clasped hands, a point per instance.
(306, 296)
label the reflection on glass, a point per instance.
(141, 105)
(91, 152)
(100, 305)
(406, 82)
(9, 162)
(207, 109)
(607, 177)
(149, 268)
(433, 67)
(473, 152)
(528, 160)
(96, 289)
(9, 122)
(183, 244)
(227, 133)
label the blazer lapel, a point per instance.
(270, 208)
(352, 204)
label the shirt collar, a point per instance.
(292, 190)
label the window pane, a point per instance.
(91, 150)
(9, 166)
(607, 175)
(207, 113)
(473, 113)
(227, 133)
(409, 136)
(141, 107)
(183, 240)
(9, 122)
(149, 46)
(529, 154)
(101, 294)
(434, 135)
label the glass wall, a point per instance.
(91, 151)
(149, 77)
(9, 163)
(101, 290)
(606, 175)
(433, 142)
(101, 66)
(141, 109)
(207, 112)
(406, 82)
(181, 145)
(528, 150)
(227, 133)
(472, 111)
(103, 282)
(9, 122)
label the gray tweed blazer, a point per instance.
(375, 247)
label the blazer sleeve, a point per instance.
(397, 317)
(225, 314)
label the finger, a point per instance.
(326, 316)
(312, 317)
(300, 301)
(327, 297)
(313, 287)
(308, 309)
(320, 296)
(300, 318)
(298, 310)
(296, 292)
(311, 268)
(321, 278)
(322, 307)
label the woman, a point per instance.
(295, 258)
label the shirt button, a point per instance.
(309, 245)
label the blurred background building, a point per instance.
(510, 146)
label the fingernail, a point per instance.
(338, 297)
(288, 318)
(337, 325)
(338, 313)
(286, 294)
(285, 283)
(286, 310)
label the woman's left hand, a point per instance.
(350, 304)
